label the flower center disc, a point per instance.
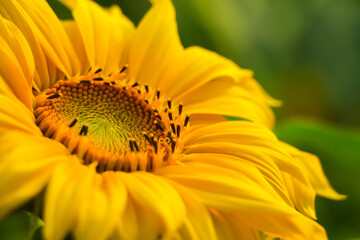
(121, 126)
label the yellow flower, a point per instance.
(123, 127)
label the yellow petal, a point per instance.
(130, 224)
(296, 226)
(155, 43)
(105, 33)
(224, 97)
(205, 119)
(313, 169)
(248, 172)
(17, 64)
(224, 189)
(73, 32)
(158, 199)
(209, 84)
(48, 40)
(77, 197)
(194, 68)
(249, 141)
(26, 165)
(228, 227)
(303, 196)
(229, 192)
(14, 115)
(198, 223)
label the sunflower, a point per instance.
(124, 131)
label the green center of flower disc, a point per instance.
(121, 126)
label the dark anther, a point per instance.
(169, 103)
(155, 144)
(107, 83)
(180, 108)
(65, 78)
(89, 69)
(136, 146)
(135, 84)
(139, 91)
(187, 118)
(73, 122)
(172, 127)
(34, 89)
(85, 81)
(158, 116)
(123, 68)
(56, 95)
(178, 130)
(173, 144)
(97, 71)
(113, 82)
(147, 101)
(131, 145)
(146, 88)
(84, 130)
(98, 79)
(169, 134)
(170, 115)
(159, 126)
(148, 138)
(158, 94)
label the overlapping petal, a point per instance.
(232, 193)
(313, 169)
(197, 223)
(159, 198)
(155, 43)
(53, 53)
(17, 63)
(105, 34)
(77, 197)
(209, 84)
(249, 141)
(27, 162)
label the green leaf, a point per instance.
(19, 226)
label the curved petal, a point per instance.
(198, 224)
(242, 138)
(129, 226)
(17, 64)
(230, 192)
(158, 199)
(14, 115)
(65, 210)
(194, 68)
(228, 227)
(105, 33)
(297, 226)
(48, 40)
(301, 195)
(312, 168)
(210, 84)
(73, 32)
(155, 43)
(26, 165)
(249, 172)
(224, 97)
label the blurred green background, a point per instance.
(303, 52)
